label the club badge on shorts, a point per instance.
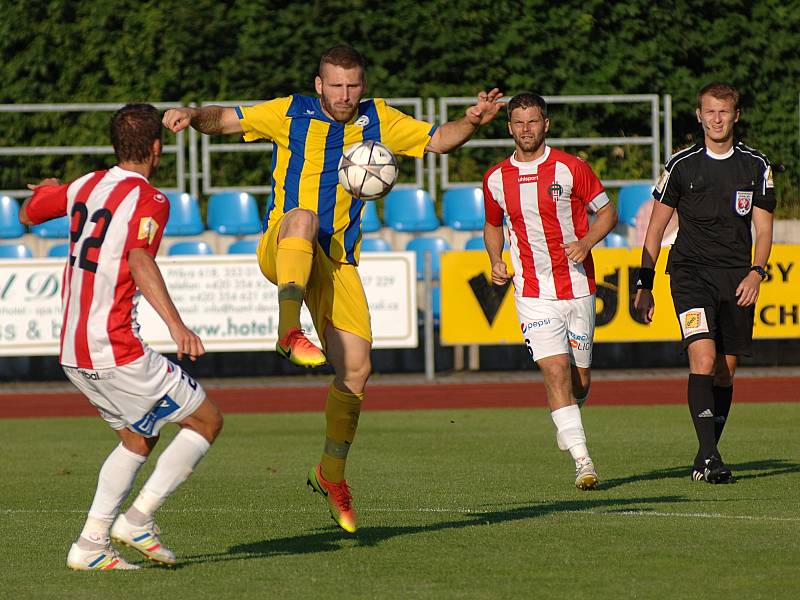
(742, 202)
(693, 321)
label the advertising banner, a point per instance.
(224, 299)
(476, 312)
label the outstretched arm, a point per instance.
(147, 276)
(213, 120)
(453, 134)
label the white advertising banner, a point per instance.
(225, 299)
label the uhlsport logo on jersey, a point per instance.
(555, 190)
(529, 178)
(743, 202)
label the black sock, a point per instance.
(723, 396)
(701, 405)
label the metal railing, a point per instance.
(199, 149)
(177, 148)
(653, 140)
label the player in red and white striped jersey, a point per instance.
(116, 222)
(112, 212)
(543, 196)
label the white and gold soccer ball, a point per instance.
(367, 170)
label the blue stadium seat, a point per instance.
(615, 240)
(435, 245)
(189, 247)
(475, 243)
(58, 250)
(375, 244)
(233, 213)
(370, 221)
(15, 251)
(462, 209)
(631, 197)
(184, 215)
(410, 210)
(10, 227)
(243, 247)
(57, 228)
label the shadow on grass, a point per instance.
(741, 471)
(332, 539)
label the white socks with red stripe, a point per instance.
(569, 431)
(174, 466)
(114, 483)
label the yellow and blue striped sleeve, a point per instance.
(402, 133)
(265, 120)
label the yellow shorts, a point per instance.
(334, 293)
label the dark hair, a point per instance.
(720, 91)
(526, 100)
(134, 127)
(342, 55)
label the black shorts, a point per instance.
(705, 304)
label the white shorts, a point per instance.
(553, 327)
(142, 395)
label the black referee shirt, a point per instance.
(714, 198)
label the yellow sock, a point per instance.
(341, 414)
(293, 265)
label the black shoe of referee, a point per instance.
(712, 471)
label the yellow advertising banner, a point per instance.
(473, 311)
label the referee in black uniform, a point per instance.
(720, 187)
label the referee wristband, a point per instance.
(644, 279)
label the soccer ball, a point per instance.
(367, 170)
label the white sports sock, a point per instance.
(174, 465)
(114, 483)
(569, 431)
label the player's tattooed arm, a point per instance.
(212, 120)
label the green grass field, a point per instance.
(452, 504)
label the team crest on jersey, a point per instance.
(742, 203)
(555, 190)
(693, 321)
(147, 229)
(361, 121)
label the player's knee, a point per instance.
(212, 424)
(301, 222)
(703, 365)
(138, 444)
(553, 369)
(355, 377)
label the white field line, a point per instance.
(519, 513)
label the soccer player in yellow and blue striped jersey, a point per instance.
(312, 230)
